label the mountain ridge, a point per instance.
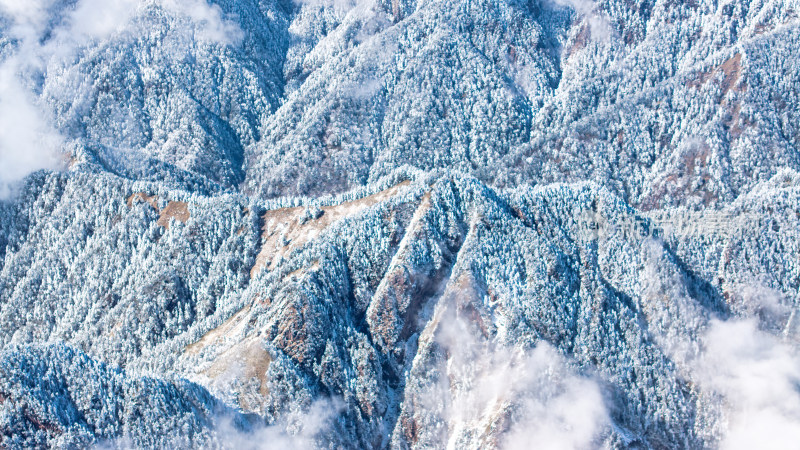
(399, 224)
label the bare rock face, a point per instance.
(406, 224)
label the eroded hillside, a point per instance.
(460, 224)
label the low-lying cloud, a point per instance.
(532, 395)
(598, 22)
(745, 369)
(296, 430)
(757, 376)
(47, 36)
(27, 141)
(208, 19)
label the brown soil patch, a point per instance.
(401, 294)
(468, 302)
(246, 360)
(174, 210)
(293, 332)
(736, 123)
(732, 69)
(139, 197)
(285, 230)
(732, 73)
(297, 274)
(580, 42)
(697, 158)
(234, 323)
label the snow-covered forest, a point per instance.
(420, 224)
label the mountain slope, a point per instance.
(353, 303)
(466, 224)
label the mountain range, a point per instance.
(399, 224)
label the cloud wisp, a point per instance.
(512, 397)
(757, 376)
(27, 141)
(47, 36)
(599, 25)
(297, 430)
(745, 370)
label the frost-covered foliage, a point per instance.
(151, 88)
(398, 224)
(354, 302)
(58, 397)
(663, 102)
(676, 103)
(44, 404)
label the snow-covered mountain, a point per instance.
(369, 224)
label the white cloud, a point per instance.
(747, 377)
(546, 404)
(98, 19)
(365, 89)
(758, 377)
(297, 430)
(207, 18)
(559, 410)
(599, 24)
(28, 17)
(28, 141)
